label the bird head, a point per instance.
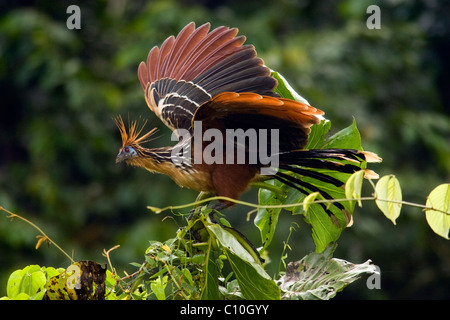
(126, 153)
(131, 142)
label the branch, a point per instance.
(291, 205)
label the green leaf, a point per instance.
(29, 281)
(232, 291)
(388, 190)
(318, 134)
(211, 287)
(266, 219)
(347, 138)
(285, 90)
(14, 283)
(158, 286)
(353, 186)
(254, 282)
(438, 218)
(188, 276)
(309, 200)
(22, 296)
(51, 272)
(319, 276)
(229, 241)
(324, 231)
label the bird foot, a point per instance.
(215, 208)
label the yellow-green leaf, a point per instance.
(439, 217)
(353, 186)
(82, 280)
(309, 200)
(158, 286)
(389, 197)
(26, 282)
(57, 288)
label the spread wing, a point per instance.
(195, 66)
(290, 118)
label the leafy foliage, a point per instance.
(191, 265)
(319, 276)
(24, 284)
(183, 268)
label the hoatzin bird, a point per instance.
(203, 80)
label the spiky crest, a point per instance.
(131, 137)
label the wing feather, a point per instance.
(196, 65)
(164, 52)
(246, 110)
(179, 42)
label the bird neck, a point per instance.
(151, 159)
(165, 161)
(161, 160)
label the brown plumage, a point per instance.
(209, 80)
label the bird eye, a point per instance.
(126, 149)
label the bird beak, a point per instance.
(120, 157)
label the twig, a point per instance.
(106, 254)
(44, 235)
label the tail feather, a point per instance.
(313, 174)
(325, 159)
(300, 162)
(351, 155)
(301, 185)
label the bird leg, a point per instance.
(194, 211)
(216, 207)
(219, 206)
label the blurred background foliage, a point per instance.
(60, 89)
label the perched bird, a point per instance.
(204, 83)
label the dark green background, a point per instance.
(61, 88)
